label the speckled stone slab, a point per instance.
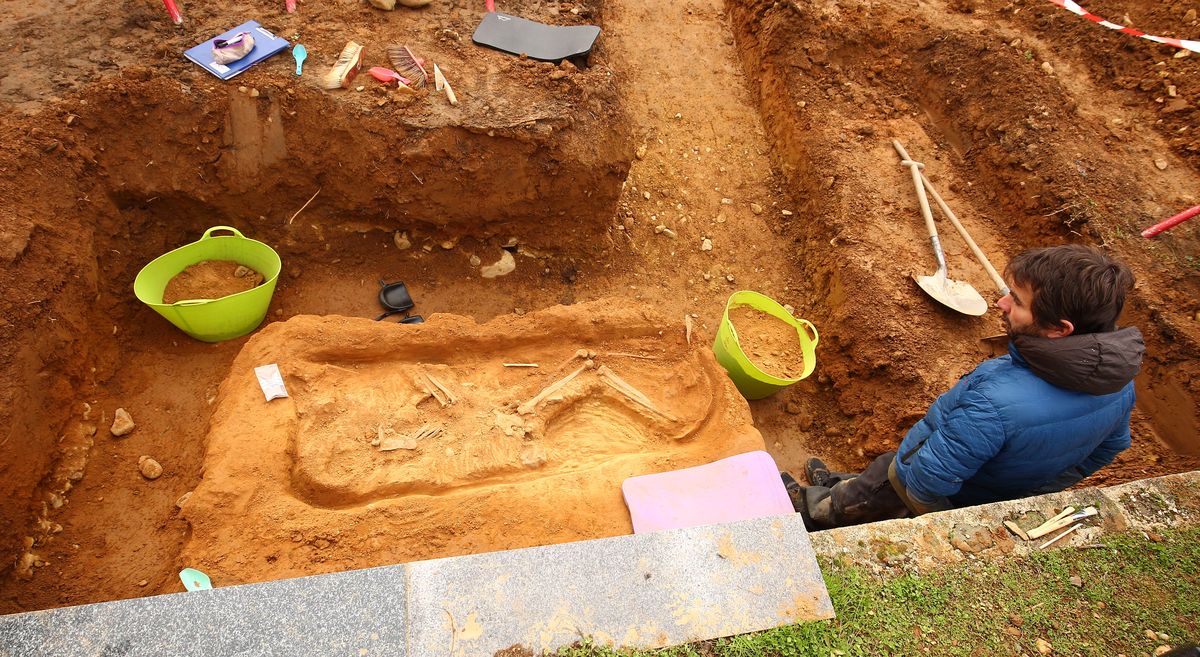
(644, 591)
(357, 614)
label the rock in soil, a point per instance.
(505, 265)
(122, 423)
(211, 279)
(149, 468)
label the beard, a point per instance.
(1014, 331)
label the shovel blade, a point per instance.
(953, 294)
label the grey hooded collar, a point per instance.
(1095, 363)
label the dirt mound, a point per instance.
(211, 279)
(400, 443)
(769, 343)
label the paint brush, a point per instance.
(348, 64)
(408, 65)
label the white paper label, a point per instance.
(271, 381)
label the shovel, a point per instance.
(983, 259)
(953, 294)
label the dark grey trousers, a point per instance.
(855, 499)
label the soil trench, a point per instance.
(708, 148)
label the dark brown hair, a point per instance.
(1080, 284)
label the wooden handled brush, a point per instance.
(344, 70)
(408, 65)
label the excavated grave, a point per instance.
(407, 442)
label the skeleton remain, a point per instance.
(623, 387)
(529, 406)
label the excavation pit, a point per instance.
(403, 443)
(779, 163)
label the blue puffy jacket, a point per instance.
(1047, 415)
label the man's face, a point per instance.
(1018, 315)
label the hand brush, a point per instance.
(346, 67)
(408, 65)
(388, 76)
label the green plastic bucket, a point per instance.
(212, 320)
(752, 382)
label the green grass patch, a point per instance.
(1129, 585)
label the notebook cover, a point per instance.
(736, 488)
(548, 43)
(265, 45)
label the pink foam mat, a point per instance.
(735, 488)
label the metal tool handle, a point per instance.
(979, 255)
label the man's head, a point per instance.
(1063, 290)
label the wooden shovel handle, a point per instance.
(979, 255)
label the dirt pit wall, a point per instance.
(260, 158)
(1029, 147)
(126, 151)
(407, 442)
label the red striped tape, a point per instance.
(1073, 7)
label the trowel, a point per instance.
(953, 294)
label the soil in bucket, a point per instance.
(211, 279)
(771, 344)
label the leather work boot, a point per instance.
(794, 489)
(797, 495)
(817, 473)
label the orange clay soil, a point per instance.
(211, 279)
(299, 486)
(771, 344)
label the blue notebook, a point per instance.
(265, 45)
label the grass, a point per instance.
(1129, 585)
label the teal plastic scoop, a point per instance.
(301, 54)
(194, 580)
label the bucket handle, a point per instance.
(191, 302)
(810, 331)
(209, 233)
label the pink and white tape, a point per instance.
(1073, 7)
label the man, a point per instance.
(1051, 412)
